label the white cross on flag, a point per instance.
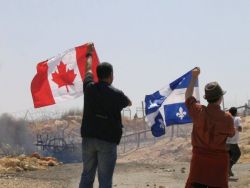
(61, 77)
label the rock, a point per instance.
(52, 163)
(36, 155)
(183, 170)
(11, 170)
(33, 167)
(169, 170)
(19, 169)
(2, 170)
(21, 156)
(48, 158)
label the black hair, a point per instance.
(211, 101)
(104, 70)
(233, 111)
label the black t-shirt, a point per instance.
(102, 110)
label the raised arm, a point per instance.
(88, 65)
(89, 79)
(190, 89)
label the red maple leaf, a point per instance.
(63, 77)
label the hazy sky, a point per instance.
(149, 42)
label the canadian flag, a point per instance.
(61, 77)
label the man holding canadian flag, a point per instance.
(67, 76)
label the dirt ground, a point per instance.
(127, 175)
(161, 165)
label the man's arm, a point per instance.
(122, 100)
(190, 89)
(125, 101)
(88, 65)
(88, 68)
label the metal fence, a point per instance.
(244, 110)
(131, 139)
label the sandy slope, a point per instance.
(179, 149)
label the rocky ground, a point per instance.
(128, 175)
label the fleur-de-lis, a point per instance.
(181, 114)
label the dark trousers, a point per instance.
(234, 154)
(100, 156)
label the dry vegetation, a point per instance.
(245, 140)
(22, 163)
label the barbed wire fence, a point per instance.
(133, 138)
(142, 136)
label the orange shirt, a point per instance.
(211, 127)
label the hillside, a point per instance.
(179, 149)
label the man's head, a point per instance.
(233, 111)
(105, 72)
(213, 93)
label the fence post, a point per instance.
(124, 145)
(138, 140)
(177, 133)
(124, 141)
(26, 115)
(245, 111)
(144, 121)
(172, 133)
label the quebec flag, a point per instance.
(167, 107)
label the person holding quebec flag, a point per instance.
(178, 104)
